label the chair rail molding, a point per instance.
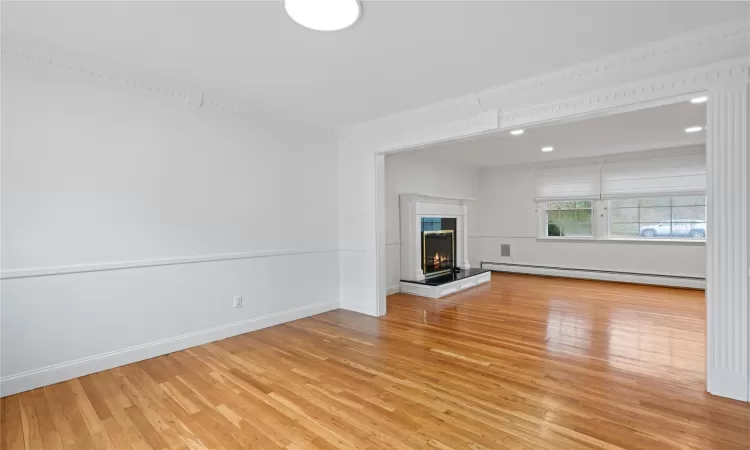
(714, 60)
(33, 272)
(728, 245)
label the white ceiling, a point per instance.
(400, 55)
(647, 129)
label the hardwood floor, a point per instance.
(522, 363)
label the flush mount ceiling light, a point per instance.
(702, 99)
(516, 132)
(693, 129)
(547, 149)
(323, 15)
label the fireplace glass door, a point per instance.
(438, 252)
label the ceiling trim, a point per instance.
(675, 85)
(99, 72)
(736, 70)
(643, 73)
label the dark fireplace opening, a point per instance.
(438, 246)
(438, 252)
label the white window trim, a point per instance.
(600, 229)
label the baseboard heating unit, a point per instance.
(622, 277)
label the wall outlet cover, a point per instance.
(238, 302)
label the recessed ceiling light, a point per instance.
(693, 129)
(702, 99)
(547, 149)
(323, 15)
(516, 132)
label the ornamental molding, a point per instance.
(656, 70)
(101, 72)
(677, 84)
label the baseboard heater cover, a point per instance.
(602, 275)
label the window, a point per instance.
(681, 217)
(568, 218)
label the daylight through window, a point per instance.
(658, 218)
(569, 218)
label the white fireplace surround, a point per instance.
(414, 207)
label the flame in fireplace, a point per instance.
(438, 259)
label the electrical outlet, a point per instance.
(238, 302)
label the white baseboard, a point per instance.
(622, 277)
(390, 290)
(13, 384)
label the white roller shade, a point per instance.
(662, 176)
(568, 183)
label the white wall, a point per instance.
(97, 177)
(508, 216)
(416, 173)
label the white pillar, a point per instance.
(728, 240)
(464, 257)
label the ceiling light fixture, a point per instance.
(702, 99)
(516, 132)
(547, 149)
(323, 15)
(693, 129)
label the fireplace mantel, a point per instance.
(414, 207)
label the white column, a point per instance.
(465, 237)
(728, 241)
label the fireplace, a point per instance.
(434, 246)
(438, 245)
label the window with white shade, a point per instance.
(655, 198)
(566, 183)
(681, 217)
(678, 175)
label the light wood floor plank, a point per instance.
(522, 363)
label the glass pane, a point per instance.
(569, 218)
(689, 201)
(583, 215)
(626, 230)
(655, 214)
(654, 218)
(656, 201)
(554, 230)
(655, 229)
(623, 215)
(689, 213)
(628, 203)
(579, 229)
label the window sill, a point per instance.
(658, 241)
(624, 240)
(566, 239)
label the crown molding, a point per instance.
(700, 47)
(101, 71)
(654, 90)
(717, 51)
(641, 91)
